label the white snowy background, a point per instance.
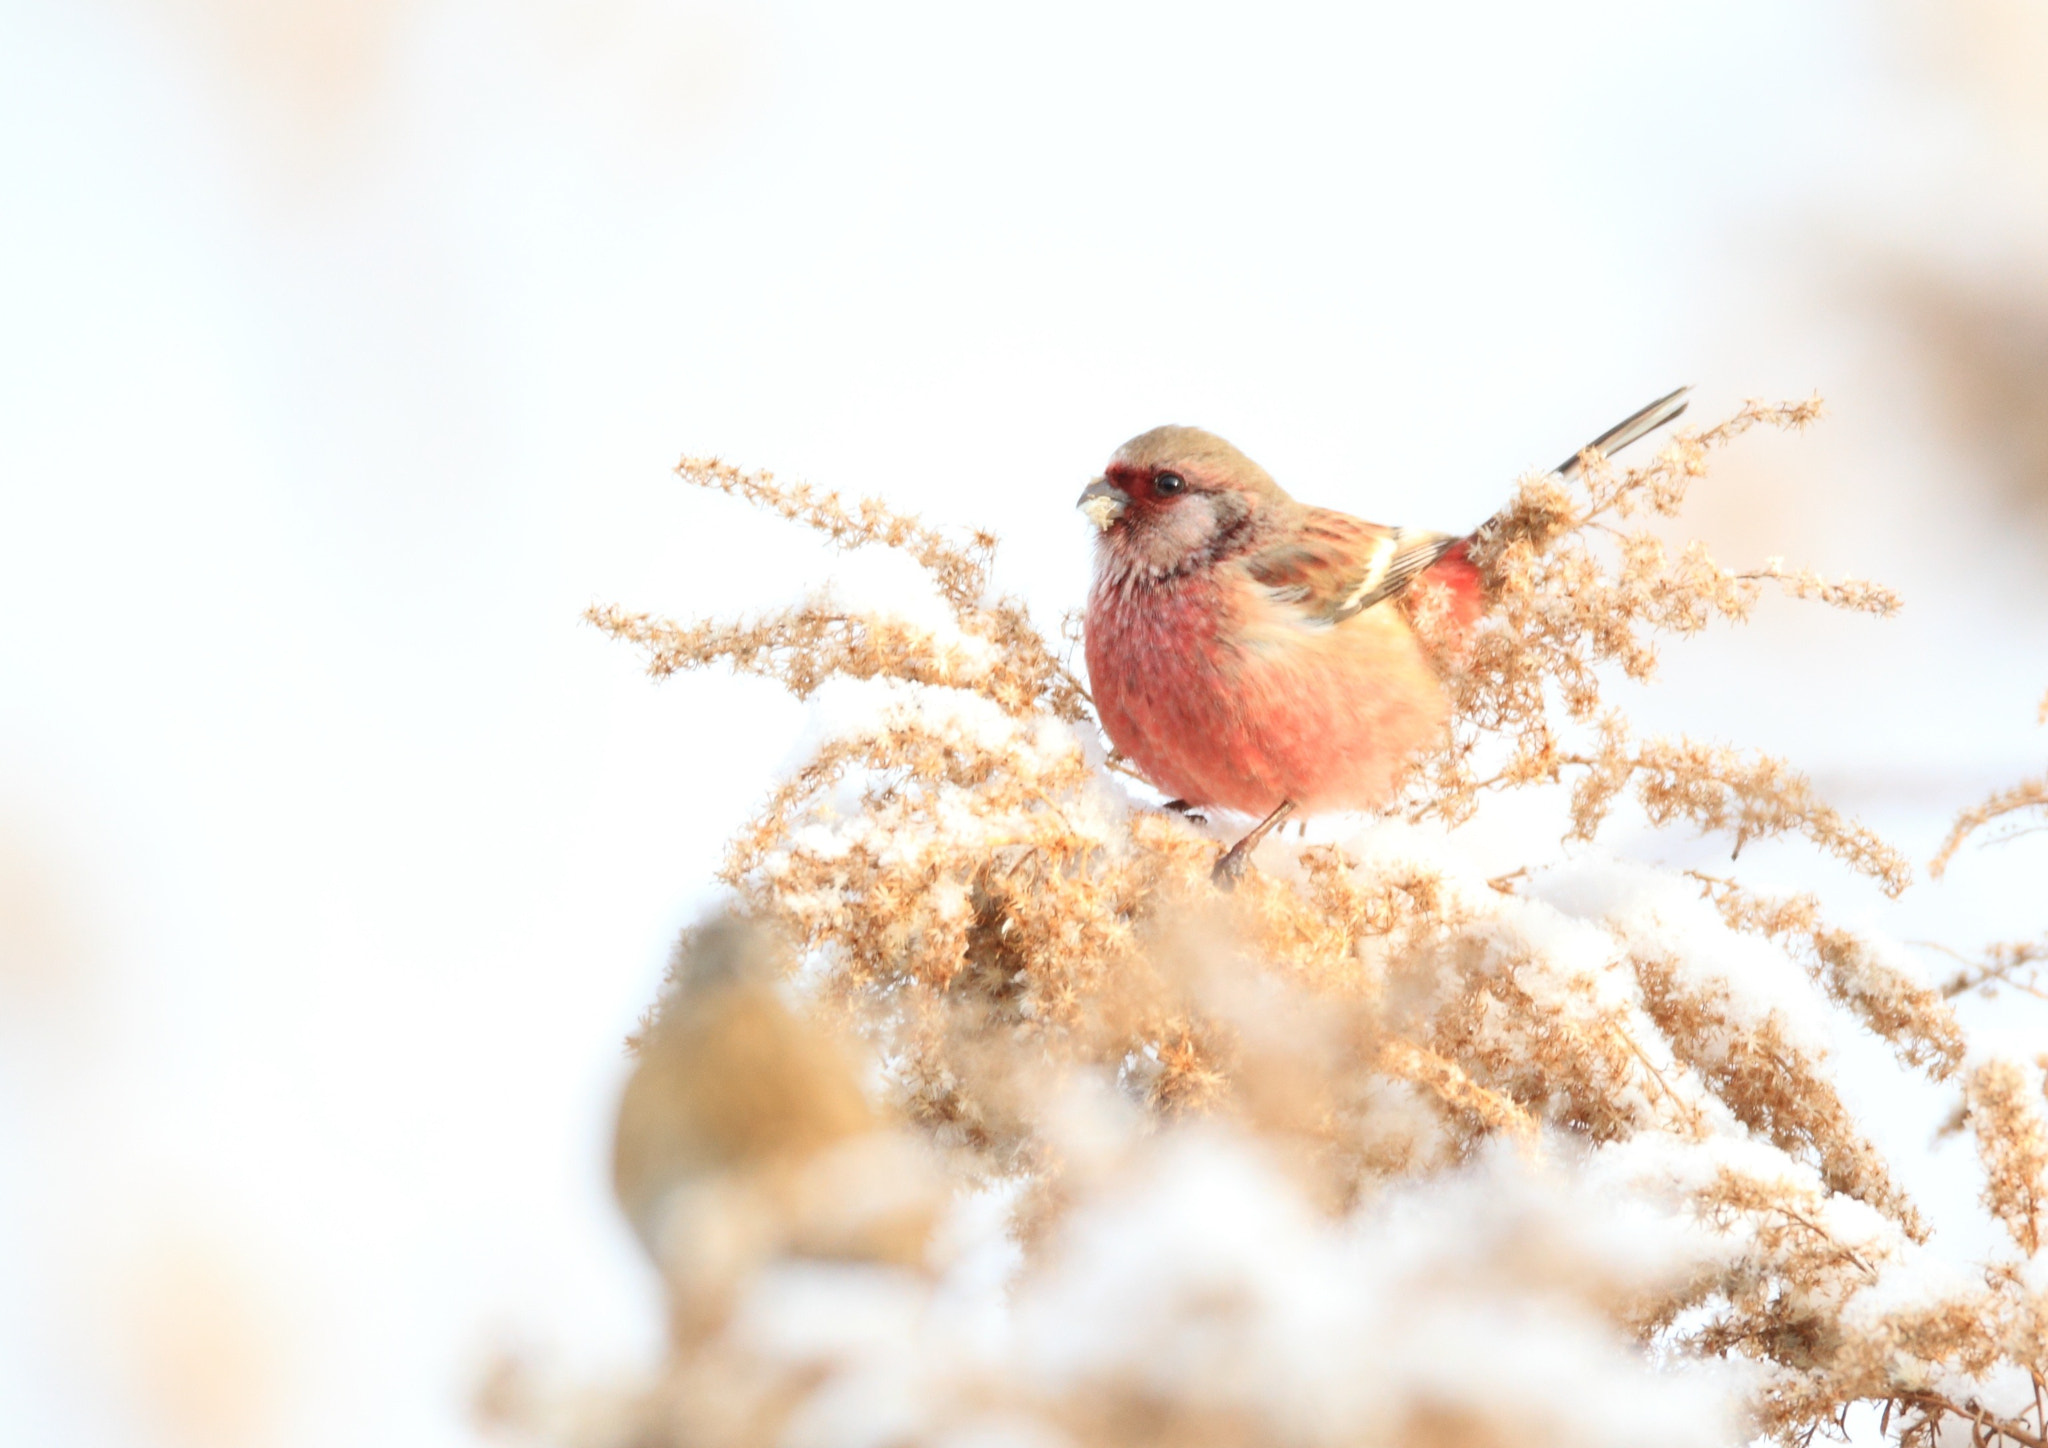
(346, 347)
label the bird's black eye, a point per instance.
(1167, 484)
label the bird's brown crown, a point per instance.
(1202, 457)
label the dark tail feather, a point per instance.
(1417, 553)
(1629, 429)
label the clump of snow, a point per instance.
(1198, 1287)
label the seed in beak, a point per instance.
(1102, 503)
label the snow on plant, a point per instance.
(1371, 1150)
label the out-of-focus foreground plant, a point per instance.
(985, 1119)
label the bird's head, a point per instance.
(1174, 497)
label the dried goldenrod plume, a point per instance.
(1573, 593)
(998, 654)
(1885, 994)
(2004, 1102)
(2014, 963)
(1282, 1165)
(2026, 796)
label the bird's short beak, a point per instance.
(1104, 502)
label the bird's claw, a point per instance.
(1187, 811)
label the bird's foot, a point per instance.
(1230, 869)
(1182, 807)
(1238, 858)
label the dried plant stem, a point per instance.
(1985, 1428)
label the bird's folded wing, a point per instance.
(1338, 566)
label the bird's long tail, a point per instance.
(1444, 556)
(1636, 425)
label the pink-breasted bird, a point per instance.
(1256, 654)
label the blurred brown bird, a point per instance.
(744, 1134)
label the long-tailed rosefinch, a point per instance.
(744, 1135)
(1253, 653)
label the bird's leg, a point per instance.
(1239, 855)
(1182, 807)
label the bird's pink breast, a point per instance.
(1225, 698)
